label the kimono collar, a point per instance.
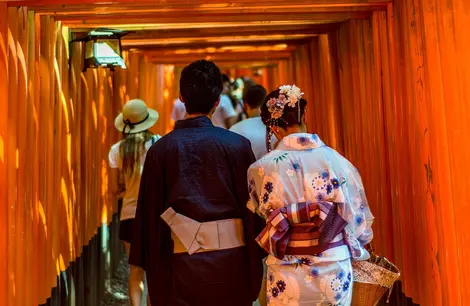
(201, 121)
(300, 142)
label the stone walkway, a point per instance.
(117, 295)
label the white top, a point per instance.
(255, 131)
(240, 111)
(224, 111)
(129, 203)
(179, 110)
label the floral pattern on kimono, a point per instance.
(303, 169)
(308, 283)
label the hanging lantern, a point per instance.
(102, 49)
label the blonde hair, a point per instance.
(131, 149)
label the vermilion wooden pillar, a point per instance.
(4, 77)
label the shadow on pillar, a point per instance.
(85, 280)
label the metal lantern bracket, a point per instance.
(96, 35)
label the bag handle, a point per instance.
(370, 249)
(374, 258)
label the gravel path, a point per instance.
(116, 294)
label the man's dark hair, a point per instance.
(225, 78)
(254, 96)
(200, 86)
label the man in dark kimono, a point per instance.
(196, 178)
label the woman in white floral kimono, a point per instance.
(317, 214)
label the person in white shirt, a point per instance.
(225, 115)
(179, 110)
(253, 128)
(128, 156)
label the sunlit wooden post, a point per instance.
(387, 86)
(4, 207)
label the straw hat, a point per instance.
(135, 117)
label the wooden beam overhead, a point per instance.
(255, 53)
(234, 31)
(248, 65)
(200, 3)
(200, 25)
(217, 19)
(71, 12)
(213, 46)
(228, 49)
(234, 64)
(202, 42)
(181, 62)
(218, 57)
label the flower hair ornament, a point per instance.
(289, 96)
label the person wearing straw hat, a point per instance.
(128, 156)
(193, 234)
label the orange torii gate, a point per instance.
(386, 84)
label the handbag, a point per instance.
(372, 279)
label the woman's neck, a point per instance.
(295, 129)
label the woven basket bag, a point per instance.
(372, 279)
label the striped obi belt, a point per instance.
(302, 229)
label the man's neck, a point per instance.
(253, 113)
(209, 115)
(190, 116)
